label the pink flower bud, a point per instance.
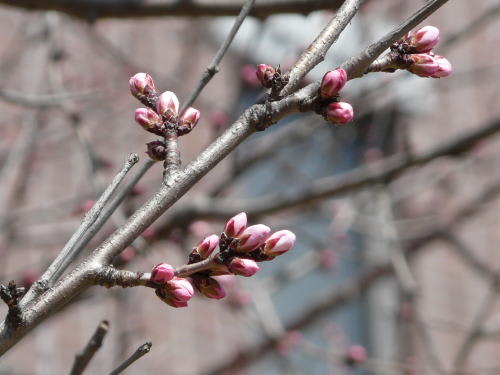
(243, 267)
(423, 65)
(180, 289)
(162, 273)
(206, 246)
(156, 150)
(332, 82)
(167, 105)
(279, 242)
(142, 84)
(253, 237)
(236, 225)
(339, 113)
(355, 354)
(444, 67)
(424, 39)
(265, 74)
(188, 120)
(211, 288)
(149, 120)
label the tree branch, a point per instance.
(94, 9)
(141, 351)
(82, 359)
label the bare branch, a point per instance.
(42, 101)
(68, 253)
(213, 68)
(141, 351)
(316, 52)
(92, 10)
(82, 359)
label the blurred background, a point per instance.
(396, 275)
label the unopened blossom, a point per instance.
(355, 354)
(444, 67)
(253, 237)
(167, 105)
(279, 242)
(156, 150)
(339, 113)
(424, 39)
(188, 120)
(181, 288)
(265, 74)
(141, 84)
(332, 82)
(149, 120)
(211, 288)
(243, 267)
(206, 246)
(161, 273)
(423, 65)
(236, 225)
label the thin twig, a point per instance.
(68, 253)
(316, 52)
(42, 101)
(213, 68)
(141, 351)
(82, 359)
(110, 208)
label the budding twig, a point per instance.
(82, 359)
(141, 351)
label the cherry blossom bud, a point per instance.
(206, 246)
(444, 67)
(424, 39)
(142, 84)
(355, 354)
(243, 267)
(279, 242)
(156, 150)
(188, 120)
(423, 65)
(265, 74)
(211, 288)
(127, 255)
(167, 105)
(332, 82)
(162, 273)
(149, 120)
(180, 289)
(253, 237)
(236, 225)
(339, 113)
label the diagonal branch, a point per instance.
(82, 359)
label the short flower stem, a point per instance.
(189, 269)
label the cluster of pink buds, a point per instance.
(330, 107)
(161, 114)
(241, 247)
(415, 49)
